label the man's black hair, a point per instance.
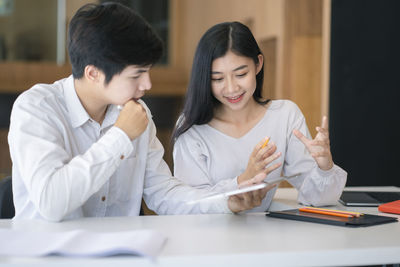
(111, 37)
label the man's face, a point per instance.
(131, 83)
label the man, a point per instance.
(75, 154)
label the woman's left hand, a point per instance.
(319, 147)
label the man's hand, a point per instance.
(132, 119)
(249, 200)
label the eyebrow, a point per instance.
(238, 68)
(141, 71)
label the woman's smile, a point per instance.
(235, 99)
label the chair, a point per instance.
(7, 210)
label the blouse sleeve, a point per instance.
(192, 164)
(168, 195)
(316, 187)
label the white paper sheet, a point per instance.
(80, 243)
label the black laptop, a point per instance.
(367, 199)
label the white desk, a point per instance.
(235, 240)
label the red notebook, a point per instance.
(390, 207)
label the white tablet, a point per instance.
(246, 189)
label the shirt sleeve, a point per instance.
(56, 182)
(316, 187)
(191, 164)
(167, 195)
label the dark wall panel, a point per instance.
(365, 90)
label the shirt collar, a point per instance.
(78, 114)
(112, 114)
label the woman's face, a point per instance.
(233, 79)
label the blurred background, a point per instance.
(333, 57)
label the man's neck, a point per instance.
(90, 100)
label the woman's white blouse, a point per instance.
(207, 158)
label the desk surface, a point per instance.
(236, 240)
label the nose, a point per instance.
(145, 82)
(231, 85)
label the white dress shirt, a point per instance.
(66, 165)
(209, 159)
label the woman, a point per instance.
(218, 140)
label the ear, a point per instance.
(260, 63)
(93, 74)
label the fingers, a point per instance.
(240, 202)
(248, 200)
(322, 133)
(320, 154)
(324, 123)
(265, 190)
(265, 157)
(301, 137)
(259, 178)
(267, 150)
(263, 150)
(316, 142)
(256, 197)
(272, 168)
(132, 103)
(322, 130)
(319, 148)
(259, 146)
(261, 158)
(132, 119)
(271, 159)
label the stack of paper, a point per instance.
(80, 243)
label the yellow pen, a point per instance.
(265, 143)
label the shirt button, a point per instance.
(122, 157)
(103, 198)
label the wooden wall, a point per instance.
(303, 57)
(292, 33)
(290, 29)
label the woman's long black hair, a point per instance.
(216, 42)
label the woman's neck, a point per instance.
(242, 116)
(237, 123)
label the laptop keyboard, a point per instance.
(385, 196)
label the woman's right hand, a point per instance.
(260, 158)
